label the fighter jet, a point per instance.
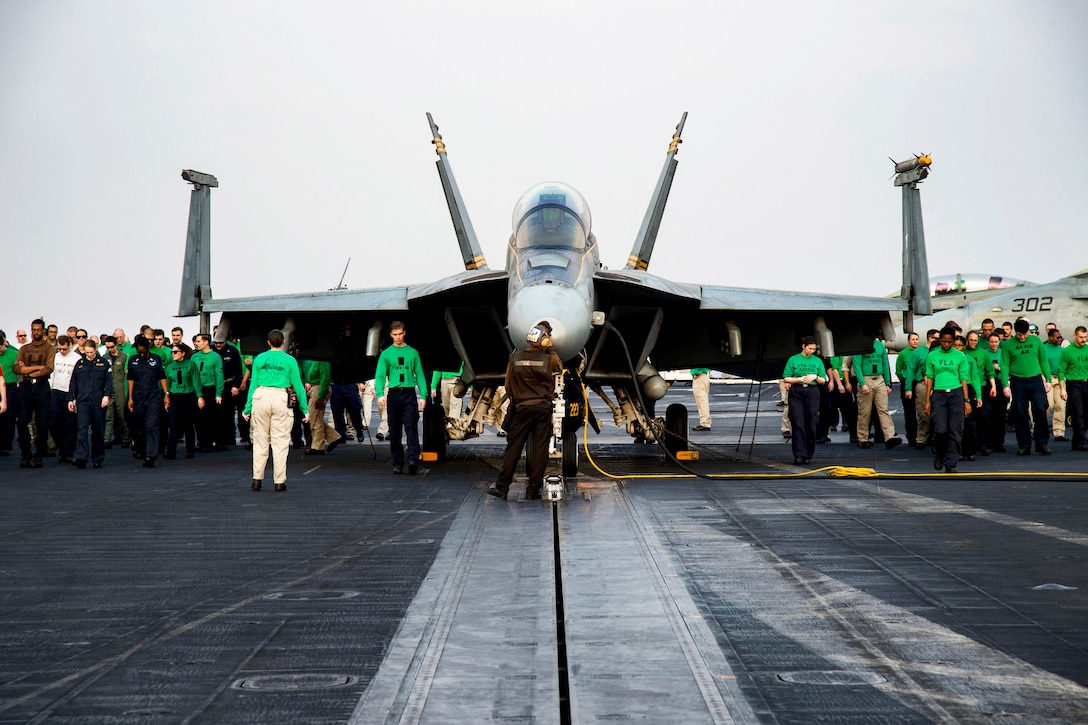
(612, 328)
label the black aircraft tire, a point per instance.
(676, 428)
(570, 453)
(434, 430)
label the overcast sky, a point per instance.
(312, 116)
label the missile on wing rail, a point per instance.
(912, 170)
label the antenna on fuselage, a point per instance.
(341, 284)
(471, 253)
(647, 233)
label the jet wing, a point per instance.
(748, 332)
(335, 324)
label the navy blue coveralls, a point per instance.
(92, 380)
(231, 410)
(146, 374)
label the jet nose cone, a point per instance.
(563, 307)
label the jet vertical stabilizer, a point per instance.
(471, 253)
(647, 233)
(196, 277)
(915, 290)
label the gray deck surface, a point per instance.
(176, 595)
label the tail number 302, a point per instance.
(1032, 304)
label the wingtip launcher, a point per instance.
(647, 233)
(471, 254)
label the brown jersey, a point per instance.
(530, 376)
(36, 353)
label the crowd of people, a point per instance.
(74, 396)
(960, 394)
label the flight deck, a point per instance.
(769, 594)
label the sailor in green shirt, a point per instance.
(1053, 349)
(1073, 380)
(874, 377)
(1025, 376)
(947, 403)
(275, 374)
(210, 365)
(906, 389)
(700, 390)
(183, 381)
(916, 371)
(318, 378)
(400, 369)
(8, 353)
(442, 383)
(804, 373)
(977, 424)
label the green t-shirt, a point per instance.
(1072, 365)
(276, 369)
(873, 363)
(1053, 354)
(403, 369)
(916, 367)
(319, 374)
(7, 362)
(799, 366)
(1025, 359)
(183, 377)
(947, 370)
(210, 365)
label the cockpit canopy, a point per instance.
(551, 215)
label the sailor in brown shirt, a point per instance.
(530, 383)
(34, 365)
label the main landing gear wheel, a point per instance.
(434, 430)
(676, 428)
(529, 456)
(570, 453)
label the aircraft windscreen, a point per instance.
(551, 215)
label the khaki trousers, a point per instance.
(270, 425)
(920, 409)
(1057, 407)
(700, 388)
(453, 405)
(782, 391)
(877, 398)
(320, 434)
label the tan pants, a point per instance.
(920, 409)
(452, 405)
(320, 434)
(368, 409)
(1057, 407)
(270, 425)
(876, 398)
(782, 391)
(700, 388)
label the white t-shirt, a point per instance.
(63, 365)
